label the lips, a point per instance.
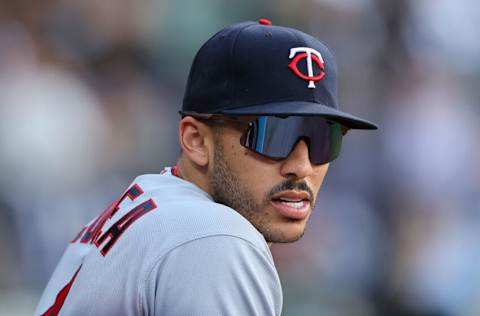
(292, 204)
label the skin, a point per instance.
(214, 160)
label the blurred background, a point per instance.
(89, 93)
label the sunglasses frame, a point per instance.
(225, 118)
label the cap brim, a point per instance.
(302, 108)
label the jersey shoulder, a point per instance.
(183, 213)
(233, 276)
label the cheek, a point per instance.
(256, 175)
(319, 175)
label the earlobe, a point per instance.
(193, 139)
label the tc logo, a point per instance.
(311, 55)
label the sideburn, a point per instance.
(226, 188)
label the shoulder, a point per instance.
(219, 251)
(177, 223)
(233, 275)
(182, 213)
(186, 212)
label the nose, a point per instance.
(297, 164)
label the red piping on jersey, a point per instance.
(61, 297)
(176, 171)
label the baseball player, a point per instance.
(259, 126)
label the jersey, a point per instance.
(165, 248)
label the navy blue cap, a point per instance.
(255, 68)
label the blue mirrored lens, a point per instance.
(276, 137)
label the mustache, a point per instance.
(291, 185)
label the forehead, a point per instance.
(247, 118)
(244, 119)
(237, 122)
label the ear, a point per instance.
(196, 140)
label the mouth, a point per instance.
(292, 204)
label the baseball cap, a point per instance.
(256, 68)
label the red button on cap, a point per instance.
(264, 22)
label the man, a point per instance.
(260, 124)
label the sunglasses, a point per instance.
(276, 137)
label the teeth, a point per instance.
(289, 200)
(294, 204)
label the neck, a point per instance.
(193, 173)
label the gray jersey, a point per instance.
(165, 248)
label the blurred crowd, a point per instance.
(89, 94)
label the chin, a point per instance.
(283, 239)
(285, 235)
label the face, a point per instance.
(276, 196)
